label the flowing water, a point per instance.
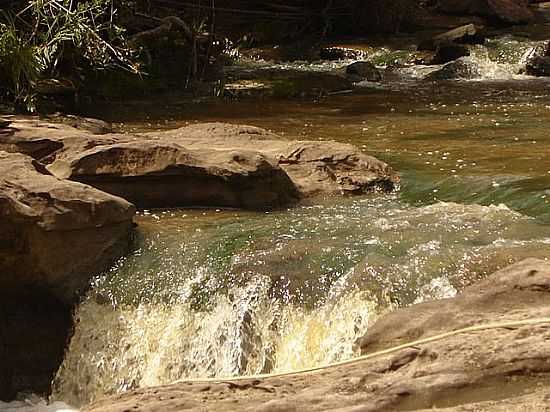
(223, 293)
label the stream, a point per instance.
(217, 293)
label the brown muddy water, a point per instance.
(223, 293)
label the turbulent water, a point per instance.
(224, 293)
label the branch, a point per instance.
(168, 24)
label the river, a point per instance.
(225, 292)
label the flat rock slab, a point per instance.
(493, 370)
(315, 167)
(211, 164)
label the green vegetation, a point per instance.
(55, 39)
(65, 47)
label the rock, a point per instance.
(43, 217)
(340, 53)
(213, 164)
(315, 167)
(502, 11)
(40, 138)
(166, 174)
(538, 66)
(448, 52)
(54, 236)
(94, 126)
(463, 68)
(497, 369)
(467, 34)
(359, 71)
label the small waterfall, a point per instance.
(245, 333)
(212, 295)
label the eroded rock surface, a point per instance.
(495, 369)
(54, 236)
(315, 167)
(212, 164)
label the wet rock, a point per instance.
(314, 167)
(166, 174)
(467, 34)
(54, 236)
(213, 164)
(360, 71)
(496, 369)
(502, 11)
(538, 66)
(340, 53)
(463, 68)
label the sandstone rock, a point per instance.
(496, 369)
(464, 68)
(315, 167)
(41, 138)
(158, 174)
(503, 11)
(212, 164)
(94, 126)
(467, 34)
(359, 71)
(54, 236)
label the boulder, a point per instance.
(496, 369)
(360, 71)
(166, 174)
(463, 68)
(449, 52)
(538, 66)
(501, 11)
(55, 235)
(40, 138)
(43, 217)
(340, 53)
(211, 164)
(466, 34)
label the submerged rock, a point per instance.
(359, 71)
(496, 369)
(464, 68)
(54, 236)
(340, 53)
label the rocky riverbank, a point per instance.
(495, 369)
